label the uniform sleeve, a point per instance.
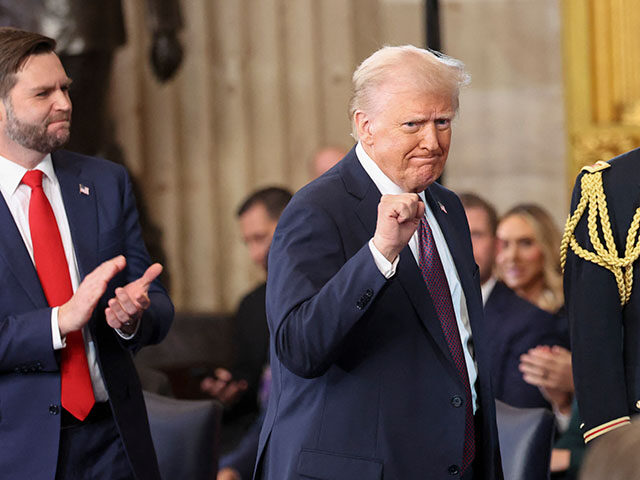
(596, 329)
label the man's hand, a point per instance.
(223, 387)
(398, 219)
(126, 308)
(549, 368)
(228, 473)
(75, 314)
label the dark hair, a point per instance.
(16, 46)
(471, 200)
(274, 200)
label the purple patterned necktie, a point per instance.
(436, 280)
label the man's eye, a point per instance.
(443, 123)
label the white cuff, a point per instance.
(562, 420)
(58, 341)
(127, 336)
(387, 268)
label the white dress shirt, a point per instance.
(487, 288)
(17, 197)
(387, 187)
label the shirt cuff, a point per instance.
(387, 268)
(129, 336)
(58, 341)
(562, 420)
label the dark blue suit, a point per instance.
(103, 224)
(513, 326)
(363, 383)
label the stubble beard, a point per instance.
(34, 136)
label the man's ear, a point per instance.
(363, 126)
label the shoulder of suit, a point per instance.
(596, 167)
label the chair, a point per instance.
(526, 437)
(185, 434)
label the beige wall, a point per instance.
(264, 84)
(509, 141)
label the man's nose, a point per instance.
(429, 138)
(62, 100)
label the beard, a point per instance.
(36, 136)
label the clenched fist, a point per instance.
(398, 219)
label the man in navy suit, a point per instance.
(379, 369)
(92, 423)
(512, 324)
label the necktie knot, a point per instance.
(33, 178)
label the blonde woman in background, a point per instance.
(528, 261)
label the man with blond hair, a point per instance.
(373, 299)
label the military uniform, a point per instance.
(603, 301)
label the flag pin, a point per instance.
(442, 207)
(84, 189)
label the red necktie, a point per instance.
(53, 271)
(436, 280)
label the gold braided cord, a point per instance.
(594, 200)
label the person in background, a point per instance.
(373, 374)
(325, 158)
(238, 388)
(528, 261)
(514, 325)
(78, 293)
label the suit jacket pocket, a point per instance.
(323, 465)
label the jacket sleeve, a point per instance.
(156, 320)
(596, 328)
(315, 295)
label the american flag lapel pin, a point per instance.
(442, 207)
(84, 189)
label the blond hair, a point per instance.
(548, 237)
(430, 70)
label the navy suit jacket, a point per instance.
(363, 382)
(513, 326)
(103, 224)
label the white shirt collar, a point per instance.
(384, 183)
(11, 173)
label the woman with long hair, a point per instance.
(528, 259)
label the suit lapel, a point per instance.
(408, 274)
(79, 198)
(16, 256)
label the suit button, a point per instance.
(453, 470)
(368, 293)
(456, 401)
(54, 409)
